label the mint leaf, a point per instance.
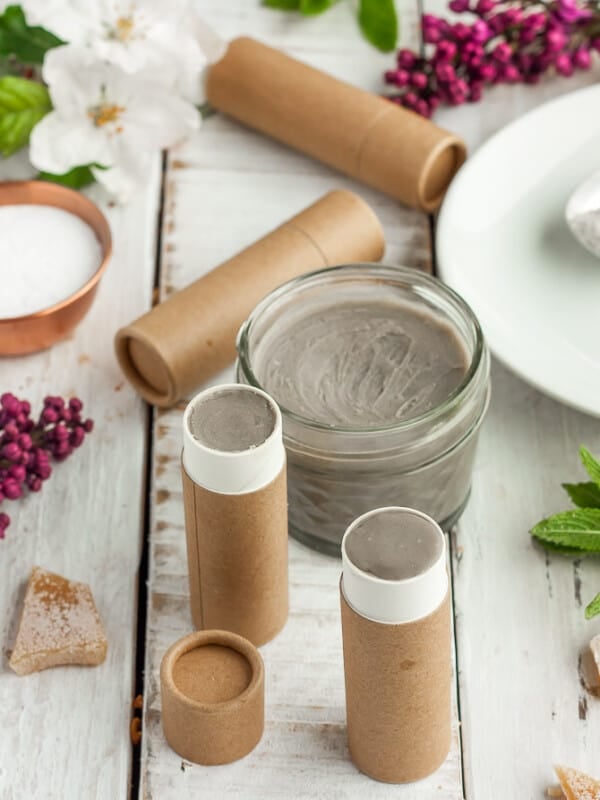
(578, 529)
(23, 103)
(28, 43)
(562, 550)
(75, 178)
(593, 608)
(315, 6)
(592, 466)
(379, 23)
(584, 495)
(285, 5)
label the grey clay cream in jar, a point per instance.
(382, 377)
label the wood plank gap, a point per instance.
(451, 555)
(434, 267)
(144, 567)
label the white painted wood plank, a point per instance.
(225, 188)
(519, 613)
(65, 732)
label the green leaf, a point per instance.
(562, 550)
(592, 466)
(584, 495)
(75, 178)
(379, 23)
(593, 608)
(285, 5)
(315, 6)
(29, 43)
(578, 529)
(23, 103)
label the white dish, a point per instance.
(503, 243)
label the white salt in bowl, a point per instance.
(38, 329)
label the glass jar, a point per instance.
(338, 472)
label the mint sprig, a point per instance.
(377, 19)
(576, 532)
(27, 43)
(584, 495)
(578, 529)
(592, 466)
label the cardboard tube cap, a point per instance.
(212, 689)
(168, 352)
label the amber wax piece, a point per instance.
(59, 625)
(577, 785)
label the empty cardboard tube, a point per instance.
(359, 133)
(212, 695)
(171, 350)
(398, 676)
(235, 506)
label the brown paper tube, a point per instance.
(236, 538)
(398, 676)
(360, 134)
(182, 342)
(212, 694)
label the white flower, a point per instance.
(157, 35)
(104, 116)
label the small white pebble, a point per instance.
(583, 213)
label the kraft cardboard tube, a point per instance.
(236, 512)
(360, 134)
(171, 350)
(397, 644)
(212, 695)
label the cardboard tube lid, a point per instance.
(212, 694)
(440, 168)
(230, 465)
(415, 546)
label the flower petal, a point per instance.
(158, 119)
(57, 145)
(74, 79)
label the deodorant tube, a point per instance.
(397, 638)
(235, 497)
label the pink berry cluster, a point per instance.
(503, 42)
(27, 447)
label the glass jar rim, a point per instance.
(400, 273)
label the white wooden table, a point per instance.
(115, 509)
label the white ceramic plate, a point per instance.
(504, 245)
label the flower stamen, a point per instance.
(124, 28)
(105, 114)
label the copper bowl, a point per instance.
(31, 332)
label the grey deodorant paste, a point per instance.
(360, 363)
(382, 378)
(393, 545)
(232, 421)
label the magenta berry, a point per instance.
(27, 445)
(581, 58)
(495, 42)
